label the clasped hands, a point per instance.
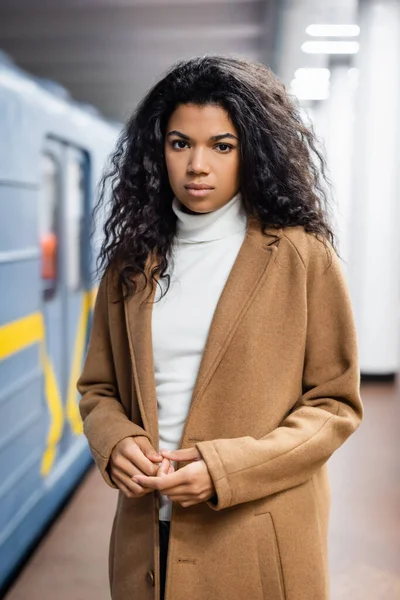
(137, 469)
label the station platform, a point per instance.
(71, 561)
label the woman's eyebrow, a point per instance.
(180, 134)
(214, 138)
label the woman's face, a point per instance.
(202, 157)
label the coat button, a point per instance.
(150, 578)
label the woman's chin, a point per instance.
(197, 205)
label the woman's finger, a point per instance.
(135, 455)
(187, 504)
(179, 490)
(126, 469)
(163, 483)
(185, 501)
(164, 467)
(125, 490)
(121, 478)
(179, 498)
(183, 455)
(125, 466)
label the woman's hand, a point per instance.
(189, 485)
(136, 456)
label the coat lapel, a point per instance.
(246, 275)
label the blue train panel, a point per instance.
(52, 153)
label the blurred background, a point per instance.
(71, 73)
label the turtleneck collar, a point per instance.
(206, 227)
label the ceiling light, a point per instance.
(322, 47)
(320, 30)
(313, 74)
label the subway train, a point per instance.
(52, 153)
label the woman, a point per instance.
(222, 369)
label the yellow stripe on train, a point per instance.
(17, 336)
(20, 334)
(72, 409)
(55, 406)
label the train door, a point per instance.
(77, 294)
(64, 224)
(53, 355)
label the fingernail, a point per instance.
(136, 479)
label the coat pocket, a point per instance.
(269, 558)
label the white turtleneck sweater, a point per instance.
(205, 248)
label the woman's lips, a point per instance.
(198, 192)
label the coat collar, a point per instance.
(247, 272)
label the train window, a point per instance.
(48, 208)
(74, 223)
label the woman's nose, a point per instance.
(198, 162)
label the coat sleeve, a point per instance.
(105, 422)
(327, 413)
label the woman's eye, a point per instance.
(224, 148)
(179, 144)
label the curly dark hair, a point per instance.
(282, 171)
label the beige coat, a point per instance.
(277, 393)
